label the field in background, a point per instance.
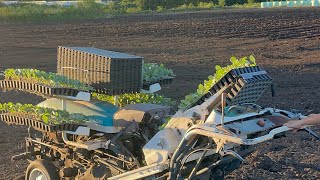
(285, 42)
(88, 9)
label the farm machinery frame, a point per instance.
(207, 139)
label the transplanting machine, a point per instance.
(206, 140)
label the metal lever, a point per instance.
(234, 154)
(312, 133)
(273, 94)
(21, 156)
(223, 105)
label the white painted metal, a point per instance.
(215, 117)
(89, 145)
(81, 96)
(141, 172)
(299, 3)
(37, 174)
(81, 130)
(152, 89)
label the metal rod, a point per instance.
(198, 164)
(115, 98)
(21, 156)
(29, 131)
(223, 105)
(109, 164)
(63, 104)
(114, 157)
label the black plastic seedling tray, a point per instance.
(37, 88)
(37, 124)
(162, 82)
(247, 86)
(108, 72)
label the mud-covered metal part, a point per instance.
(21, 156)
(224, 165)
(216, 135)
(146, 117)
(142, 172)
(74, 162)
(98, 155)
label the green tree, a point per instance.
(250, 2)
(222, 3)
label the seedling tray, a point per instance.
(37, 88)
(162, 82)
(36, 124)
(115, 91)
(107, 71)
(247, 86)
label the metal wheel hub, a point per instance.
(37, 174)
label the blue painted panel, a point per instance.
(101, 112)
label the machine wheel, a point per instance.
(41, 170)
(216, 175)
(230, 164)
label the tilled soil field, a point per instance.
(286, 42)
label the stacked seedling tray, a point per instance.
(107, 71)
(24, 115)
(247, 86)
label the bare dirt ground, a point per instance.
(286, 42)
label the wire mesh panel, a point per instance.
(107, 71)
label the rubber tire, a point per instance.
(46, 167)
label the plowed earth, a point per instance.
(286, 42)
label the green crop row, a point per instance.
(135, 98)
